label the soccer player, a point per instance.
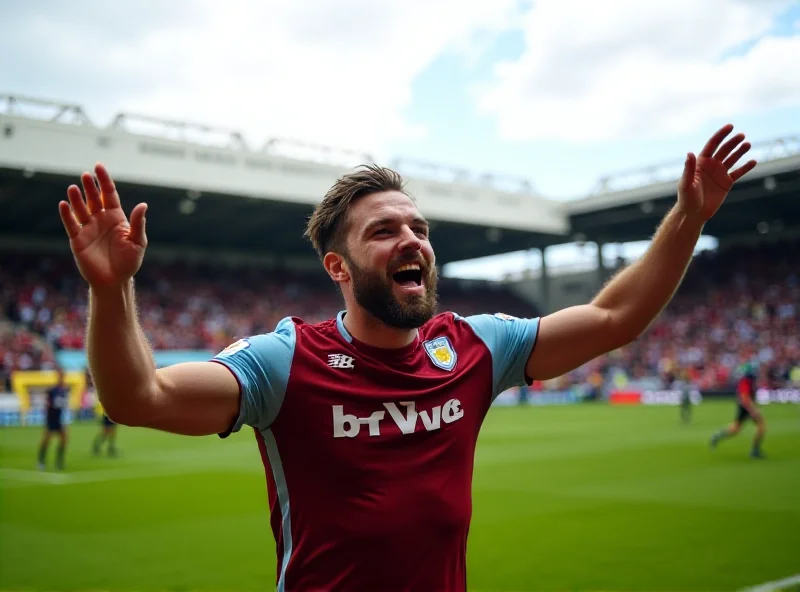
(367, 423)
(745, 409)
(108, 428)
(56, 402)
(108, 433)
(677, 380)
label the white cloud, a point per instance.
(329, 71)
(602, 71)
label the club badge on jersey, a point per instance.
(441, 353)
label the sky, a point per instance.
(559, 92)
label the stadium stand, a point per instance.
(184, 305)
(732, 306)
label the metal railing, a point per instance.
(666, 172)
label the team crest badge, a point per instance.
(441, 353)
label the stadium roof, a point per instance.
(250, 226)
(766, 200)
(476, 216)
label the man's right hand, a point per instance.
(107, 248)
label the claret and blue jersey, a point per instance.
(369, 452)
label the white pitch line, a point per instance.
(27, 478)
(776, 585)
(190, 462)
(33, 476)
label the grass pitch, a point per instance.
(565, 498)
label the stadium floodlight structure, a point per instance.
(181, 131)
(310, 151)
(446, 173)
(664, 172)
(53, 111)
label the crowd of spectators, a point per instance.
(734, 307)
(182, 305)
(738, 307)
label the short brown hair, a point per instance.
(326, 226)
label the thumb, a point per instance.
(137, 225)
(689, 168)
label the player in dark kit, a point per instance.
(678, 380)
(745, 409)
(56, 404)
(108, 428)
(108, 433)
(367, 423)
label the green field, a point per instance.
(566, 498)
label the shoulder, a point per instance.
(498, 321)
(488, 328)
(282, 337)
(285, 337)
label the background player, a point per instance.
(56, 404)
(745, 409)
(108, 428)
(108, 433)
(680, 382)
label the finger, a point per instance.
(733, 158)
(689, 168)
(93, 199)
(728, 146)
(79, 209)
(71, 224)
(712, 144)
(138, 221)
(743, 170)
(109, 190)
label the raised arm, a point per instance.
(197, 398)
(630, 302)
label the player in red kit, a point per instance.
(367, 423)
(746, 408)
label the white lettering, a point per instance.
(408, 423)
(340, 419)
(346, 425)
(432, 424)
(452, 411)
(374, 422)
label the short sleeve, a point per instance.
(510, 341)
(261, 364)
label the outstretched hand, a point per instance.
(107, 248)
(708, 178)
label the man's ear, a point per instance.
(336, 267)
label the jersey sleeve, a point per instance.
(261, 365)
(510, 341)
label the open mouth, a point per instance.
(408, 276)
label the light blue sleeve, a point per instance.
(510, 341)
(261, 364)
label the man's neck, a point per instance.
(371, 331)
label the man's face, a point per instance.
(391, 261)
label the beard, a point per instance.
(374, 292)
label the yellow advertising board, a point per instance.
(24, 380)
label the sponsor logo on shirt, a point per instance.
(404, 415)
(340, 361)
